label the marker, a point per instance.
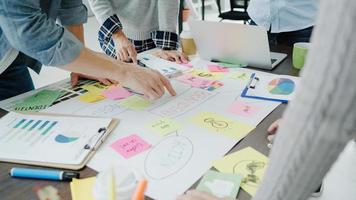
(140, 190)
(43, 174)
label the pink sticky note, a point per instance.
(217, 68)
(243, 109)
(195, 81)
(189, 65)
(130, 146)
(116, 93)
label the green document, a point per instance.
(38, 101)
(220, 184)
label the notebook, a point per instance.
(49, 140)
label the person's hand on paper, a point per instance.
(75, 78)
(125, 50)
(197, 195)
(272, 130)
(146, 81)
(172, 55)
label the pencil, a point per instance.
(140, 190)
(112, 187)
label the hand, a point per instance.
(146, 81)
(197, 195)
(272, 130)
(172, 55)
(125, 50)
(75, 78)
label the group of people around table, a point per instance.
(315, 127)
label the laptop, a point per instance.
(234, 43)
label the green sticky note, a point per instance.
(220, 184)
(164, 126)
(38, 101)
(135, 103)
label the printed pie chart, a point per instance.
(281, 86)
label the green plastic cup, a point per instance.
(300, 51)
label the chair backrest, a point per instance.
(239, 4)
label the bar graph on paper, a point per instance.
(30, 131)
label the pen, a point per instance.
(140, 190)
(56, 175)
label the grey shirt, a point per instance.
(321, 119)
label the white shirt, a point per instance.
(283, 15)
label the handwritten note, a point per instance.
(116, 93)
(195, 81)
(208, 75)
(164, 126)
(248, 162)
(241, 76)
(38, 101)
(130, 146)
(91, 98)
(217, 68)
(222, 125)
(243, 109)
(135, 103)
(95, 88)
(220, 184)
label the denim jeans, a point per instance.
(288, 38)
(15, 79)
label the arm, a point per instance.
(322, 118)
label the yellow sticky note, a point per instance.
(241, 76)
(91, 98)
(135, 103)
(96, 88)
(222, 125)
(82, 188)
(208, 75)
(248, 162)
(164, 126)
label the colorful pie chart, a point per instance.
(65, 139)
(281, 86)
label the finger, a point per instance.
(113, 81)
(184, 58)
(133, 55)
(119, 55)
(164, 56)
(125, 55)
(176, 58)
(74, 79)
(104, 81)
(159, 87)
(167, 84)
(270, 138)
(272, 129)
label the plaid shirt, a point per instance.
(161, 39)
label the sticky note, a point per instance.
(116, 93)
(135, 103)
(217, 68)
(95, 88)
(164, 126)
(208, 75)
(243, 109)
(242, 76)
(222, 125)
(130, 146)
(220, 184)
(195, 81)
(82, 188)
(215, 85)
(248, 162)
(38, 101)
(91, 98)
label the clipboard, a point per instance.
(91, 147)
(251, 85)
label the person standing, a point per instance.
(31, 37)
(129, 27)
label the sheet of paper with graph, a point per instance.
(171, 141)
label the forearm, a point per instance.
(98, 65)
